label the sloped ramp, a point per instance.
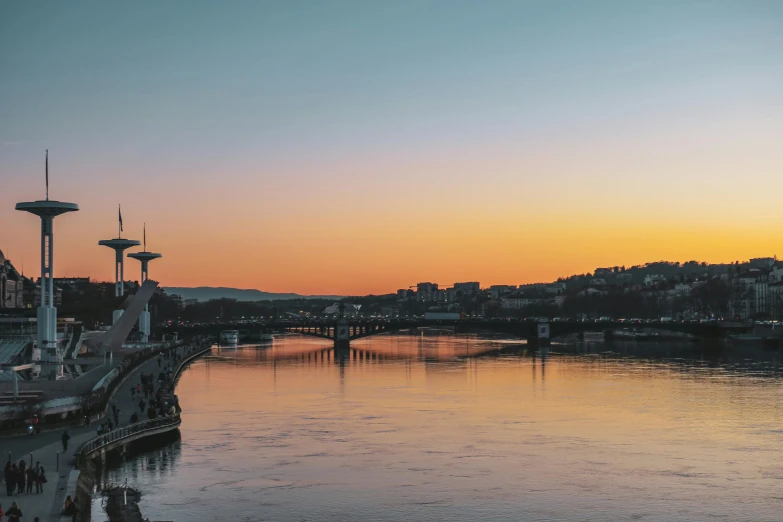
(114, 337)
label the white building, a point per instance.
(516, 302)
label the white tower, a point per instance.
(47, 210)
(145, 257)
(119, 245)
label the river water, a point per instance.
(454, 428)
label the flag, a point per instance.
(47, 174)
(120, 213)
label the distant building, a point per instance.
(425, 291)
(71, 281)
(624, 277)
(498, 291)
(402, 294)
(467, 289)
(762, 263)
(592, 291)
(518, 301)
(189, 302)
(555, 288)
(652, 279)
(11, 285)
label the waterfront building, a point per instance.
(518, 301)
(11, 285)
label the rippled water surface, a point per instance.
(461, 429)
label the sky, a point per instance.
(354, 147)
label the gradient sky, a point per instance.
(355, 147)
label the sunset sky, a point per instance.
(352, 147)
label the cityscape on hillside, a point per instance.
(692, 290)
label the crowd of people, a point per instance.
(20, 479)
(154, 394)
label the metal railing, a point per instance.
(107, 439)
(117, 435)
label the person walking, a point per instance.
(133, 392)
(30, 479)
(12, 481)
(117, 417)
(8, 475)
(14, 513)
(70, 508)
(65, 439)
(21, 475)
(40, 479)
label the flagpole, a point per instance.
(47, 174)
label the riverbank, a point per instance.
(121, 439)
(60, 464)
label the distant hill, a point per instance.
(205, 293)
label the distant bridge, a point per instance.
(352, 329)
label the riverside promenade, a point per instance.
(47, 449)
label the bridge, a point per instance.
(344, 330)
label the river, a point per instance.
(456, 428)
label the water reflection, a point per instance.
(414, 427)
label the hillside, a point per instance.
(205, 293)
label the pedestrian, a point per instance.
(138, 389)
(14, 514)
(40, 480)
(30, 479)
(134, 418)
(70, 508)
(141, 405)
(65, 439)
(133, 392)
(160, 360)
(117, 417)
(111, 426)
(21, 476)
(11, 481)
(1, 512)
(113, 405)
(8, 475)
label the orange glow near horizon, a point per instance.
(527, 153)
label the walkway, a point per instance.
(47, 446)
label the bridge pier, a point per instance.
(542, 333)
(342, 335)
